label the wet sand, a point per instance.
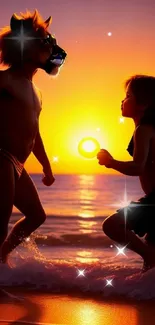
(32, 308)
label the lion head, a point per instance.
(28, 41)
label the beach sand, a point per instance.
(32, 308)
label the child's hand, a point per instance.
(104, 158)
(48, 179)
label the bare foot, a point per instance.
(2, 261)
(149, 261)
(145, 267)
(5, 261)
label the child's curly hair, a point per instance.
(10, 49)
(143, 88)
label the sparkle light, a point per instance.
(22, 38)
(125, 203)
(127, 206)
(109, 34)
(55, 159)
(121, 119)
(121, 250)
(81, 272)
(27, 239)
(109, 283)
(98, 129)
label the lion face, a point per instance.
(50, 55)
(34, 44)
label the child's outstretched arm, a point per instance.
(142, 137)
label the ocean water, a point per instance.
(76, 206)
(72, 239)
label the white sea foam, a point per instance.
(61, 276)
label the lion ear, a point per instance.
(35, 15)
(48, 21)
(14, 22)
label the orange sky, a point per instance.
(87, 93)
(86, 96)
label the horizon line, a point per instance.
(112, 174)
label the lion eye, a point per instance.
(49, 39)
(45, 40)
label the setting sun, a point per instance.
(88, 147)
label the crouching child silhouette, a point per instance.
(139, 104)
(25, 46)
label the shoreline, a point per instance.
(56, 309)
(96, 297)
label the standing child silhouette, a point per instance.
(139, 104)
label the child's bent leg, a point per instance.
(115, 228)
(28, 202)
(7, 190)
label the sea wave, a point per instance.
(62, 276)
(74, 240)
(67, 217)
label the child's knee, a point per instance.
(108, 225)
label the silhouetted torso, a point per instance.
(20, 107)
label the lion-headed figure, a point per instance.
(28, 41)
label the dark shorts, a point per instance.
(140, 216)
(18, 166)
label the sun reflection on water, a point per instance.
(86, 257)
(86, 214)
(87, 227)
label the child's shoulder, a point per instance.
(145, 127)
(144, 130)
